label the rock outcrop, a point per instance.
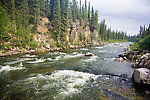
(79, 35)
(141, 76)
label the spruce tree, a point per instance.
(42, 7)
(92, 21)
(75, 12)
(64, 15)
(57, 19)
(23, 8)
(103, 31)
(4, 22)
(96, 20)
(34, 7)
(51, 9)
(80, 7)
(85, 12)
(12, 10)
(89, 12)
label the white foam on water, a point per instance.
(98, 47)
(20, 64)
(49, 59)
(104, 51)
(62, 53)
(8, 68)
(85, 49)
(74, 55)
(56, 53)
(105, 59)
(18, 60)
(37, 61)
(30, 56)
(65, 81)
(58, 58)
(92, 58)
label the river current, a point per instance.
(68, 75)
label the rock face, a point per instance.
(142, 62)
(141, 76)
(82, 35)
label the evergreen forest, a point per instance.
(20, 19)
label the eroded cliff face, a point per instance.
(77, 35)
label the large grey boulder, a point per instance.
(141, 76)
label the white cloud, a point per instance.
(126, 15)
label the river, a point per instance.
(68, 75)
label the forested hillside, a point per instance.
(32, 24)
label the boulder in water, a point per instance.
(89, 54)
(141, 76)
(119, 59)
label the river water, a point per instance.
(68, 75)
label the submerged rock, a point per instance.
(89, 54)
(141, 76)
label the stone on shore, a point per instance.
(141, 76)
(32, 51)
(142, 62)
(47, 46)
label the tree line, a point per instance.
(107, 34)
(143, 33)
(142, 40)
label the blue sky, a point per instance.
(123, 15)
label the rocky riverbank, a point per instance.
(42, 49)
(141, 59)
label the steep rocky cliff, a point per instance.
(43, 39)
(77, 35)
(82, 35)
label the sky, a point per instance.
(123, 15)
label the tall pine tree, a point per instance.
(57, 19)
(89, 12)
(92, 21)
